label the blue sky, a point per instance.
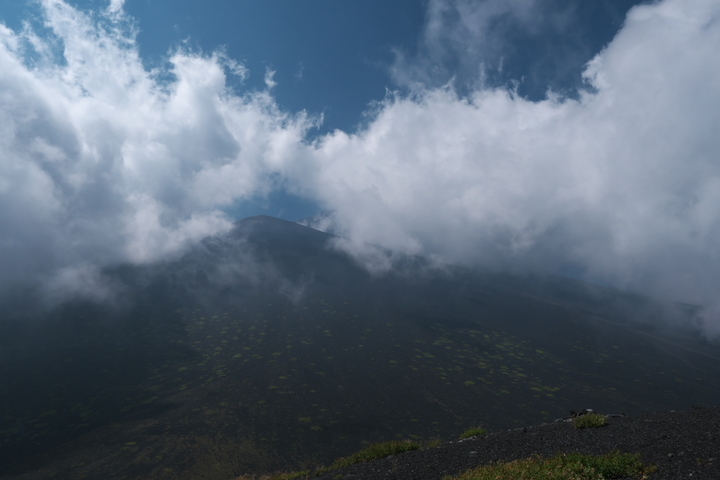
(516, 134)
(329, 57)
(335, 58)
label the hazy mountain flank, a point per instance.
(266, 348)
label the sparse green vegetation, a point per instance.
(590, 420)
(376, 450)
(571, 466)
(276, 476)
(473, 432)
(371, 452)
(432, 443)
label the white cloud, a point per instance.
(116, 6)
(623, 183)
(102, 161)
(270, 82)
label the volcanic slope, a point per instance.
(267, 348)
(672, 445)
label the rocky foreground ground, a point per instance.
(682, 444)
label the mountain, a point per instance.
(266, 348)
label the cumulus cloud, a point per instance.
(622, 183)
(103, 161)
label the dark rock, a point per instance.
(650, 435)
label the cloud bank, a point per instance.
(621, 184)
(104, 161)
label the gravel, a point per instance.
(682, 444)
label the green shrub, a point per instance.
(590, 420)
(572, 466)
(473, 432)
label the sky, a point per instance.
(529, 135)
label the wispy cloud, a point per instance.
(116, 6)
(104, 161)
(463, 38)
(471, 44)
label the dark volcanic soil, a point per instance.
(683, 445)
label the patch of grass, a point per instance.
(291, 476)
(571, 466)
(376, 450)
(371, 452)
(590, 420)
(473, 432)
(432, 443)
(276, 476)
